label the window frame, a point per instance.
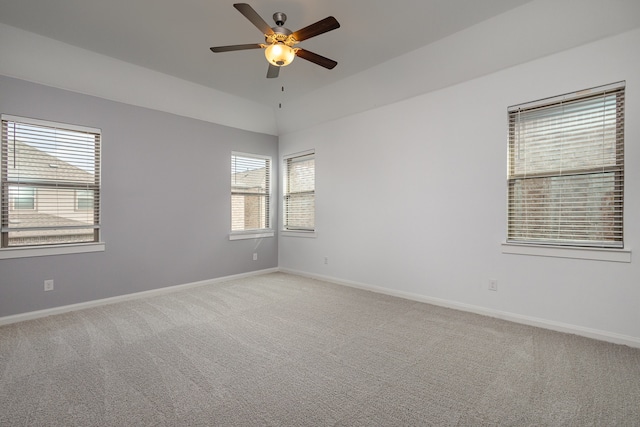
(8, 251)
(254, 233)
(292, 231)
(611, 250)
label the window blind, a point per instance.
(50, 183)
(299, 195)
(566, 170)
(250, 192)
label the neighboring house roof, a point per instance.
(38, 219)
(249, 181)
(34, 165)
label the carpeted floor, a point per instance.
(282, 350)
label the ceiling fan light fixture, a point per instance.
(279, 41)
(279, 54)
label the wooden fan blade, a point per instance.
(273, 71)
(253, 16)
(316, 59)
(231, 48)
(320, 27)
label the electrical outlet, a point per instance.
(255, 256)
(48, 285)
(326, 260)
(493, 285)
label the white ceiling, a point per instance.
(173, 37)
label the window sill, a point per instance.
(596, 254)
(290, 233)
(255, 234)
(27, 252)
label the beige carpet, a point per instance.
(282, 350)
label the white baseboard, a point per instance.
(153, 292)
(512, 317)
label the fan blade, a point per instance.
(316, 59)
(231, 48)
(320, 27)
(273, 71)
(253, 16)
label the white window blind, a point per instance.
(44, 167)
(250, 192)
(299, 192)
(566, 169)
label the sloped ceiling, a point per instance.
(386, 51)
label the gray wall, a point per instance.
(165, 203)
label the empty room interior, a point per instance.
(301, 212)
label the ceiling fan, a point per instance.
(280, 41)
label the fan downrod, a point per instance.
(280, 18)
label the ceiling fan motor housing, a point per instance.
(280, 33)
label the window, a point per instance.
(299, 192)
(22, 198)
(84, 200)
(566, 170)
(250, 192)
(50, 183)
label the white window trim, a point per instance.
(300, 233)
(63, 249)
(573, 252)
(283, 231)
(28, 252)
(554, 249)
(50, 123)
(257, 233)
(251, 234)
